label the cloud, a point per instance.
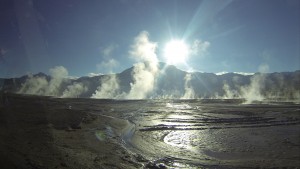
(199, 47)
(74, 90)
(144, 72)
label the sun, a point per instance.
(176, 52)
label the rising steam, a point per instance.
(145, 80)
(230, 93)
(39, 85)
(252, 92)
(58, 74)
(189, 92)
(74, 90)
(34, 86)
(109, 88)
(143, 74)
(145, 71)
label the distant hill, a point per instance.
(163, 81)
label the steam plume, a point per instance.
(188, 89)
(108, 89)
(40, 85)
(145, 71)
(34, 86)
(252, 92)
(230, 93)
(74, 90)
(58, 74)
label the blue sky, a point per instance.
(95, 36)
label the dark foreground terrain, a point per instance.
(44, 132)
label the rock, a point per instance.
(152, 165)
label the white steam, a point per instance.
(145, 71)
(143, 50)
(108, 89)
(109, 63)
(40, 86)
(34, 86)
(189, 92)
(252, 92)
(143, 74)
(58, 74)
(230, 93)
(74, 90)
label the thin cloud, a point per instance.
(199, 47)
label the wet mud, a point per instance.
(221, 135)
(45, 132)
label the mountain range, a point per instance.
(144, 81)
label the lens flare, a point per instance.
(176, 52)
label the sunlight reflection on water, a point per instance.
(178, 106)
(181, 133)
(178, 139)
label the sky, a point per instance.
(96, 36)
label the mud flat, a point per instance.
(44, 132)
(218, 135)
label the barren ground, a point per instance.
(43, 132)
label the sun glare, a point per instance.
(176, 52)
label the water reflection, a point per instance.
(181, 106)
(198, 134)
